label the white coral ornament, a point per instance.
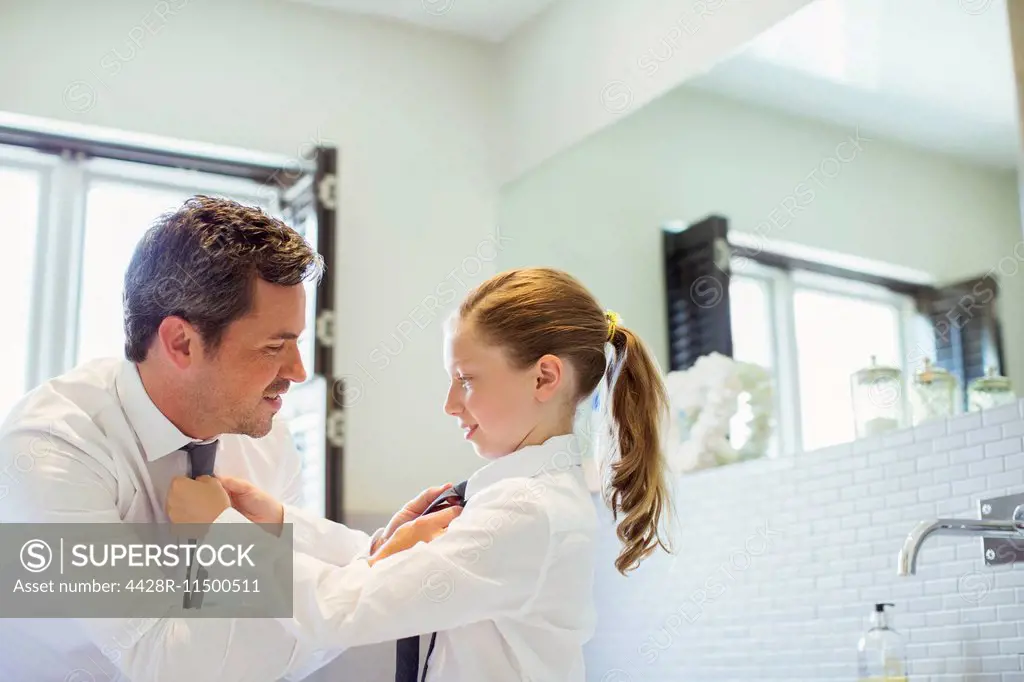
(704, 399)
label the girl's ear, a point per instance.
(550, 373)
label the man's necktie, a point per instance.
(407, 659)
(201, 457)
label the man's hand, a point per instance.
(196, 501)
(253, 503)
(422, 529)
(409, 512)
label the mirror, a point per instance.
(841, 191)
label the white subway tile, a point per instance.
(1009, 575)
(940, 586)
(1011, 429)
(880, 488)
(854, 492)
(981, 614)
(930, 430)
(989, 434)
(999, 663)
(871, 533)
(856, 520)
(1001, 414)
(957, 472)
(934, 492)
(906, 588)
(853, 462)
(835, 479)
(1010, 643)
(900, 438)
(932, 461)
(985, 467)
(880, 458)
(829, 582)
(858, 579)
(974, 453)
(1014, 612)
(938, 617)
(997, 631)
(881, 517)
(901, 500)
(1004, 447)
(866, 504)
(868, 475)
(876, 563)
(823, 497)
(965, 422)
(900, 469)
(1014, 462)
(969, 486)
(918, 480)
(1008, 481)
(952, 442)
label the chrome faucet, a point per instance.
(1012, 528)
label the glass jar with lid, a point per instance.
(989, 391)
(933, 393)
(877, 393)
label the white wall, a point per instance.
(597, 209)
(585, 64)
(411, 113)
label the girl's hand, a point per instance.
(196, 501)
(422, 529)
(410, 511)
(253, 503)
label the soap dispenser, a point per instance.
(881, 656)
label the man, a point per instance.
(213, 306)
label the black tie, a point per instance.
(407, 659)
(201, 457)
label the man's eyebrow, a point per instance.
(284, 336)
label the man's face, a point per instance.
(258, 358)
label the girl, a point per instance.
(507, 587)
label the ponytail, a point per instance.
(637, 487)
(532, 312)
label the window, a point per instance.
(20, 197)
(812, 319)
(77, 200)
(813, 332)
(72, 223)
(121, 201)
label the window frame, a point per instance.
(783, 284)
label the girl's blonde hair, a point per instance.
(533, 312)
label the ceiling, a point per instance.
(488, 20)
(933, 73)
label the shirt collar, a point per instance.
(155, 432)
(555, 455)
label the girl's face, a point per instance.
(499, 407)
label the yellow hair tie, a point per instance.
(613, 322)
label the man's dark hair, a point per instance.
(201, 263)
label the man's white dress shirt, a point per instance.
(90, 446)
(509, 586)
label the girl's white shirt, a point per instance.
(508, 587)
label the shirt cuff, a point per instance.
(377, 534)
